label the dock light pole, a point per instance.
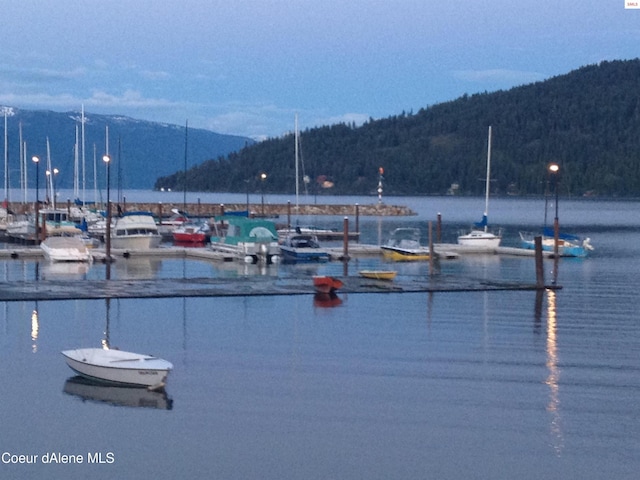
(263, 177)
(554, 169)
(247, 185)
(107, 160)
(53, 185)
(36, 160)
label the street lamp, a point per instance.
(55, 174)
(107, 160)
(554, 170)
(36, 160)
(263, 177)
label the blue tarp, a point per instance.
(483, 223)
(548, 232)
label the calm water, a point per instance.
(496, 385)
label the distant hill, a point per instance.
(141, 150)
(588, 121)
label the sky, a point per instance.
(248, 67)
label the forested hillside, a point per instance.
(587, 121)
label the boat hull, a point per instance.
(378, 274)
(397, 254)
(65, 249)
(480, 239)
(118, 367)
(326, 284)
(565, 249)
(180, 237)
(292, 254)
(135, 242)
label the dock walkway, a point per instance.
(238, 286)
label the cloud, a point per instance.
(38, 75)
(154, 75)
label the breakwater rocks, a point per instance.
(272, 210)
(164, 210)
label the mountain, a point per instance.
(141, 150)
(587, 121)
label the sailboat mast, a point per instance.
(184, 189)
(50, 177)
(297, 153)
(488, 180)
(76, 167)
(23, 164)
(95, 177)
(84, 170)
(6, 159)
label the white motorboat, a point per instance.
(404, 246)
(303, 248)
(66, 249)
(136, 231)
(119, 367)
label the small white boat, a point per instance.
(119, 367)
(66, 249)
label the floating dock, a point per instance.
(239, 286)
(247, 285)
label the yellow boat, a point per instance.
(405, 255)
(378, 274)
(404, 246)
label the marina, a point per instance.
(464, 366)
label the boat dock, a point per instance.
(238, 286)
(63, 289)
(442, 250)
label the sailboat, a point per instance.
(285, 233)
(480, 236)
(116, 367)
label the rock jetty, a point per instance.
(164, 210)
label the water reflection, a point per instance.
(138, 267)
(326, 300)
(117, 396)
(65, 270)
(35, 328)
(105, 341)
(553, 406)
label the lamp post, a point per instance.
(36, 160)
(554, 170)
(247, 186)
(53, 186)
(107, 160)
(263, 177)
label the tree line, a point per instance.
(586, 121)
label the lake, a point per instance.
(496, 385)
